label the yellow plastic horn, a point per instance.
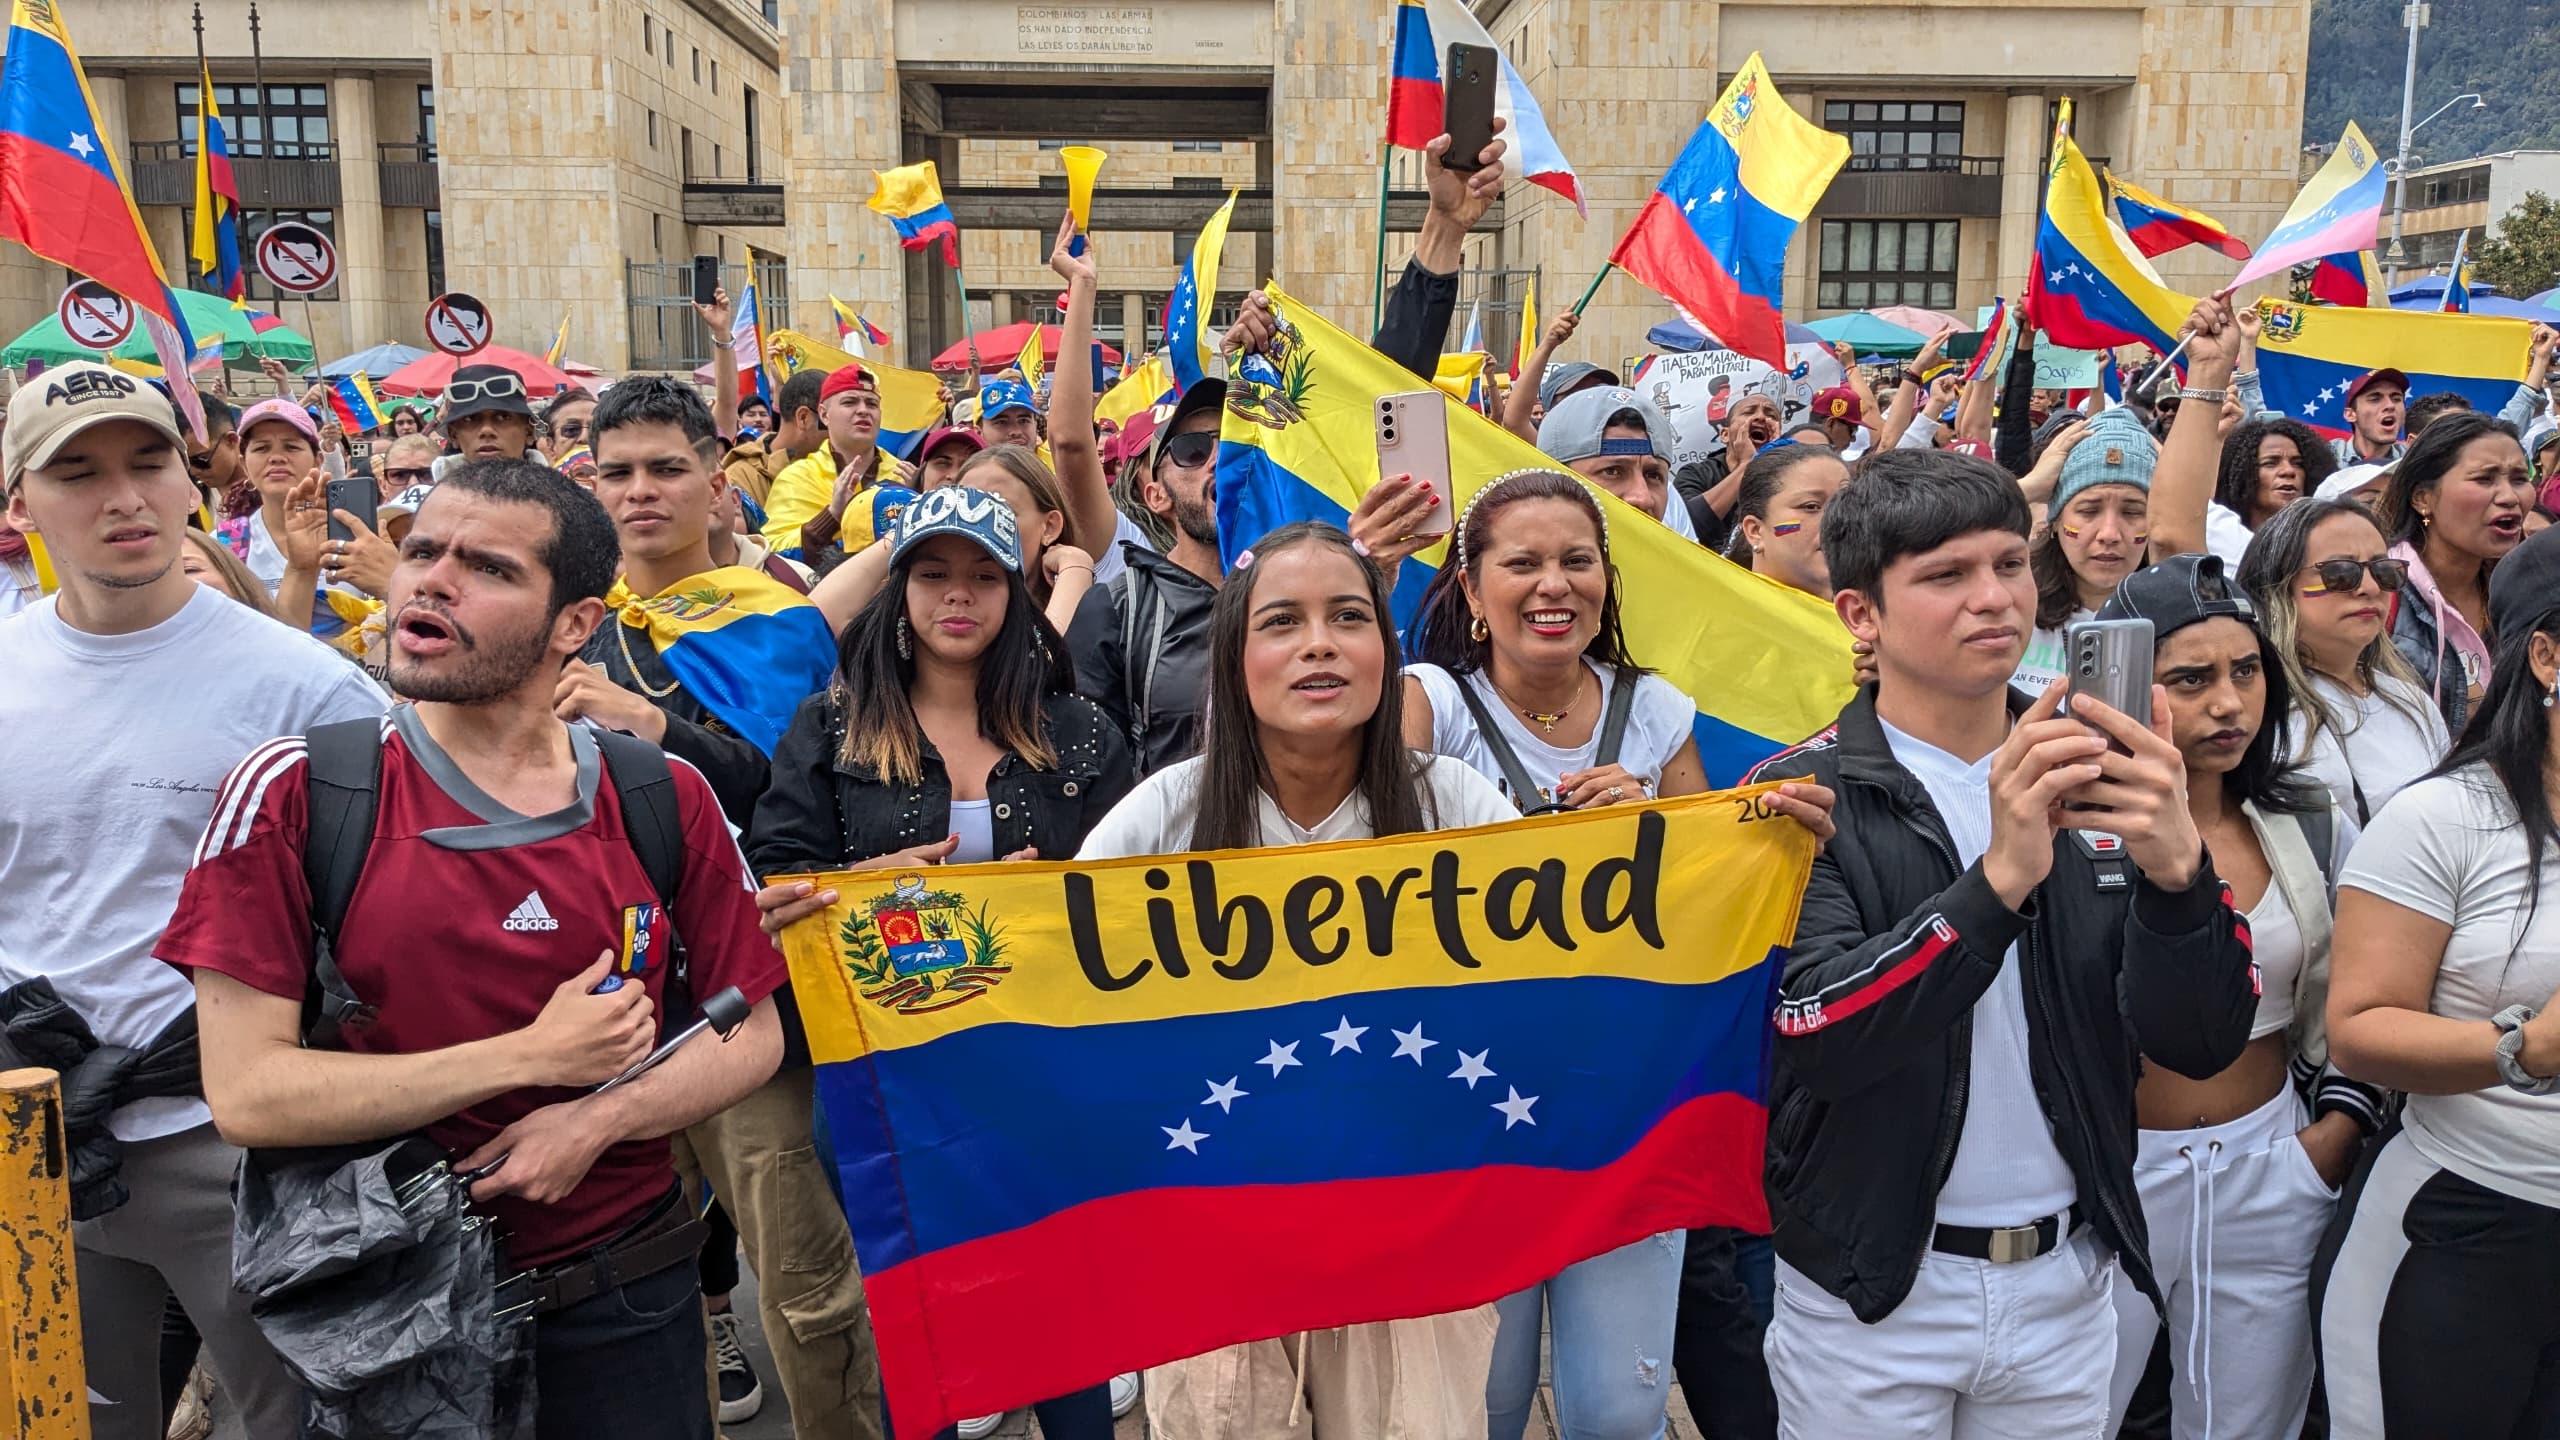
(1083, 162)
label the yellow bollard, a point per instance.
(43, 1375)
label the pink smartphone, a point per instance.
(1413, 439)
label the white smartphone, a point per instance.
(1413, 439)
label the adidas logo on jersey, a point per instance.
(532, 915)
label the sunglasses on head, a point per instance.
(2345, 577)
(405, 476)
(1192, 449)
(463, 392)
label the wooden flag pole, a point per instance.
(1595, 287)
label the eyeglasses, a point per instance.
(405, 476)
(2345, 577)
(570, 430)
(1191, 450)
(203, 459)
(463, 392)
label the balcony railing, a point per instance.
(409, 179)
(747, 193)
(1915, 185)
(299, 176)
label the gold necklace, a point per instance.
(622, 633)
(1545, 722)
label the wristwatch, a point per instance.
(2511, 1023)
(1912, 377)
(2209, 397)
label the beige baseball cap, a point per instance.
(53, 407)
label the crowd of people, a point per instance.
(2167, 1077)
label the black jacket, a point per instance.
(823, 814)
(1875, 1027)
(731, 762)
(1414, 328)
(1158, 611)
(38, 1028)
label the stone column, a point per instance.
(1133, 323)
(2023, 138)
(364, 284)
(1329, 91)
(839, 121)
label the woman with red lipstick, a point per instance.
(2455, 508)
(2239, 1173)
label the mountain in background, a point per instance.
(2507, 50)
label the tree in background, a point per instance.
(2524, 257)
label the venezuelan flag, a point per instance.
(2351, 279)
(217, 234)
(2457, 285)
(2157, 226)
(849, 323)
(2309, 354)
(1999, 338)
(910, 400)
(911, 196)
(1028, 362)
(2338, 213)
(1712, 238)
(1527, 343)
(744, 644)
(1425, 29)
(1767, 665)
(1146, 386)
(2091, 290)
(1054, 1091)
(352, 400)
(1194, 290)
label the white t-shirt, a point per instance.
(2007, 1169)
(974, 822)
(264, 560)
(1675, 514)
(2377, 746)
(114, 746)
(2450, 847)
(2226, 535)
(19, 588)
(1156, 818)
(2275, 932)
(2044, 661)
(1659, 723)
(1111, 563)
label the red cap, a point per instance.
(1839, 403)
(850, 377)
(2368, 378)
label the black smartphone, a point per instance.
(706, 279)
(356, 496)
(1467, 83)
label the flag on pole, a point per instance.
(2352, 279)
(911, 196)
(2310, 356)
(559, 343)
(1028, 362)
(1527, 343)
(2090, 289)
(1712, 238)
(1999, 338)
(1425, 29)
(217, 231)
(1144, 386)
(62, 194)
(851, 326)
(352, 400)
(910, 400)
(746, 340)
(2338, 213)
(2457, 285)
(1187, 349)
(2157, 226)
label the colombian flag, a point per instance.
(910, 400)
(1425, 29)
(1056, 1094)
(2157, 226)
(2338, 213)
(217, 238)
(2351, 279)
(352, 400)
(1712, 238)
(2309, 354)
(911, 196)
(2090, 289)
(744, 644)
(1767, 665)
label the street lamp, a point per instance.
(2415, 16)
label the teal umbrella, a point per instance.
(245, 334)
(1869, 335)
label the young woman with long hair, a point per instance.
(2237, 1173)
(1778, 514)
(1057, 573)
(2442, 1312)
(2362, 724)
(211, 564)
(2456, 505)
(1304, 743)
(2097, 531)
(279, 448)
(2269, 464)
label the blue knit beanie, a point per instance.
(2115, 450)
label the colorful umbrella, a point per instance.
(245, 334)
(1869, 335)
(429, 375)
(1912, 317)
(382, 359)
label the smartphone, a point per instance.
(1413, 439)
(2111, 661)
(356, 497)
(1467, 83)
(706, 279)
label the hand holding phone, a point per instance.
(706, 279)
(1413, 439)
(2110, 661)
(1467, 83)
(357, 497)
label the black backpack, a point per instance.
(345, 762)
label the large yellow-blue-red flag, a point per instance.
(2310, 356)
(911, 196)
(1766, 664)
(2091, 289)
(910, 400)
(217, 239)
(744, 644)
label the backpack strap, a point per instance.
(344, 760)
(1525, 794)
(780, 570)
(1138, 676)
(1613, 721)
(2299, 862)
(654, 824)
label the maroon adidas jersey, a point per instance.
(465, 921)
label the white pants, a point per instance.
(1976, 1351)
(2235, 1211)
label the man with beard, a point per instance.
(654, 443)
(132, 691)
(512, 954)
(1141, 643)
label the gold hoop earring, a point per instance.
(1477, 631)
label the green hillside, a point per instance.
(2507, 50)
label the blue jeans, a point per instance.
(1612, 1316)
(1084, 1415)
(626, 1363)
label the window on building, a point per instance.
(435, 252)
(648, 34)
(658, 235)
(715, 76)
(697, 64)
(299, 115)
(755, 165)
(653, 129)
(2458, 189)
(427, 120)
(1899, 134)
(1055, 144)
(1198, 147)
(773, 13)
(1205, 184)
(684, 151)
(670, 38)
(1053, 182)
(1887, 262)
(716, 167)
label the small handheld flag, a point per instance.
(2338, 213)
(1186, 347)
(746, 341)
(1028, 362)
(2157, 226)
(352, 400)
(217, 233)
(850, 325)
(1527, 344)
(2351, 279)
(559, 343)
(911, 196)
(1425, 29)
(2090, 289)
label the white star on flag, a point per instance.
(1183, 1137)
(1688, 205)
(1281, 1057)
(1345, 1036)
(2310, 407)
(1716, 196)
(2328, 392)
(1471, 1068)
(1410, 1042)
(80, 145)
(1515, 1111)
(2054, 279)
(1225, 1096)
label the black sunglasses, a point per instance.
(406, 476)
(2345, 577)
(203, 459)
(1191, 449)
(463, 392)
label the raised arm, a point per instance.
(2191, 459)
(1091, 517)
(1416, 322)
(1520, 406)
(721, 317)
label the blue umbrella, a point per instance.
(2549, 299)
(1676, 334)
(1869, 334)
(379, 361)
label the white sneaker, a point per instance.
(982, 1427)
(1124, 1394)
(741, 1391)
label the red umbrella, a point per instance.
(429, 376)
(999, 347)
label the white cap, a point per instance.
(406, 502)
(2348, 479)
(63, 401)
